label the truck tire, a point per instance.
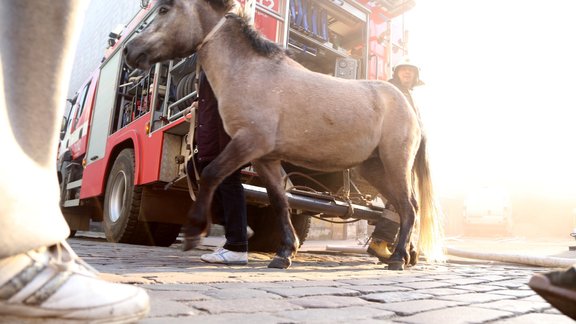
(266, 227)
(122, 201)
(122, 207)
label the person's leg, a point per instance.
(35, 38)
(384, 238)
(232, 204)
(233, 201)
(40, 276)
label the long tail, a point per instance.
(431, 241)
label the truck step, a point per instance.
(72, 203)
(74, 184)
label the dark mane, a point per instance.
(260, 44)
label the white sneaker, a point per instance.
(53, 284)
(223, 256)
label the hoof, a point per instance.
(280, 263)
(396, 265)
(191, 242)
(413, 258)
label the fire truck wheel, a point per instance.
(122, 207)
(122, 202)
(266, 229)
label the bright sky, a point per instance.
(499, 101)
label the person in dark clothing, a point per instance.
(406, 76)
(229, 205)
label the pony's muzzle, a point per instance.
(135, 58)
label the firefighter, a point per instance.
(405, 77)
(41, 278)
(229, 204)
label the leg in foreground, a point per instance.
(40, 276)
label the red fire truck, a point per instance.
(124, 141)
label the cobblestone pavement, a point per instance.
(320, 287)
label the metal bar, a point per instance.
(175, 66)
(330, 207)
(178, 114)
(269, 12)
(165, 108)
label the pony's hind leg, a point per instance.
(395, 188)
(271, 173)
(237, 153)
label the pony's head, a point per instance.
(179, 27)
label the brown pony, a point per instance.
(276, 110)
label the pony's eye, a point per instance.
(162, 10)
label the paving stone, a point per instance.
(390, 297)
(416, 306)
(339, 315)
(515, 292)
(179, 295)
(535, 297)
(236, 293)
(312, 291)
(518, 272)
(494, 277)
(425, 284)
(316, 283)
(368, 282)
(254, 285)
(444, 277)
(515, 306)
(515, 283)
(328, 301)
(538, 319)
(456, 315)
(377, 288)
(475, 297)
(407, 278)
(479, 288)
(464, 281)
(244, 305)
(218, 319)
(177, 287)
(443, 291)
(551, 310)
(160, 307)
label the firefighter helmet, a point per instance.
(407, 63)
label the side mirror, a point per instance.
(63, 127)
(144, 3)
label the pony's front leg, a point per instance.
(199, 218)
(237, 153)
(271, 173)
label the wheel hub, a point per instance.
(118, 195)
